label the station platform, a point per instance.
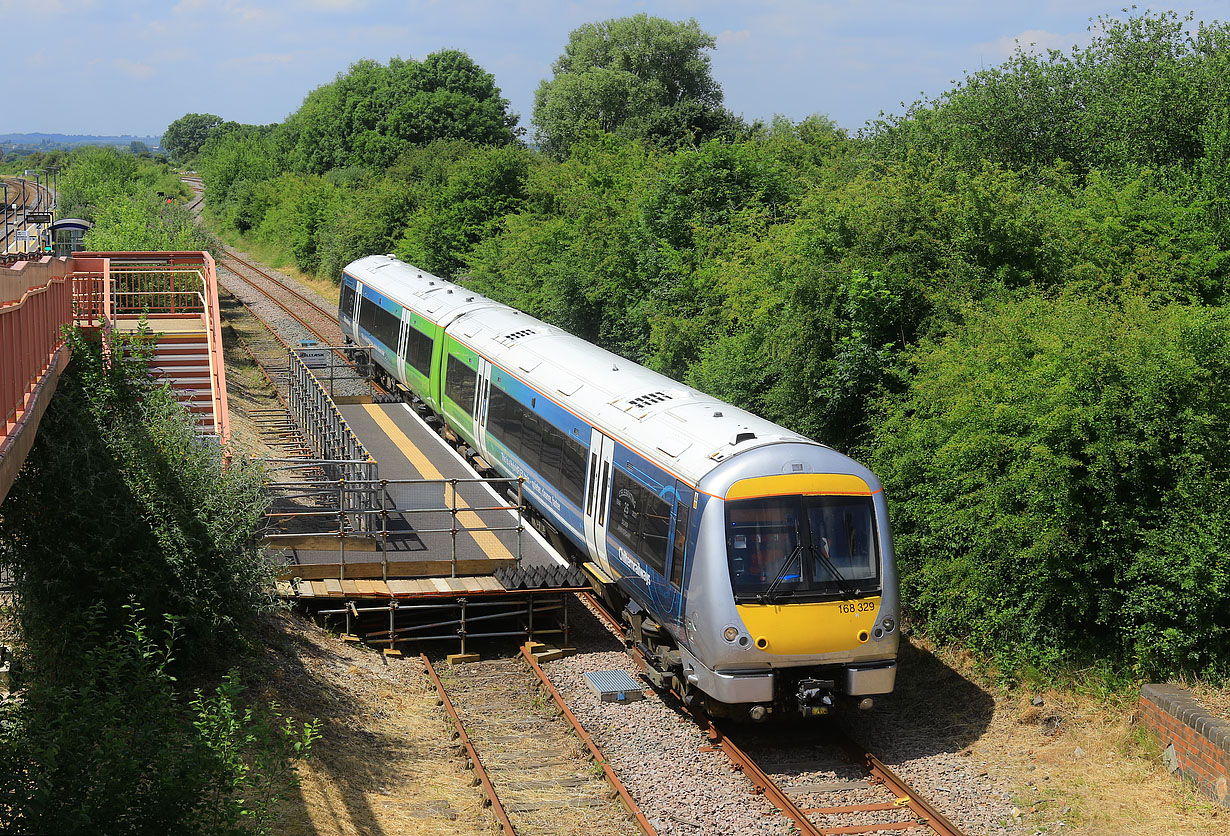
(425, 479)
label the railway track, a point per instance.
(319, 322)
(28, 198)
(814, 774)
(198, 189)
(535, 775)
(287, 318)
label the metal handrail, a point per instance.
(355, 518)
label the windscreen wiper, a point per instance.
(767, 595)
(823, 556)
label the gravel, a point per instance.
(655, 750)
(345, 382)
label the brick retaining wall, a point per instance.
(1200, 741)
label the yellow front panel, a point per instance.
(793, 484)
(806, 629)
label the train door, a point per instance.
(597, 496)
(403, 331)
(481, 399)
(685, 499)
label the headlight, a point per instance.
(889, 624)
(730, 633)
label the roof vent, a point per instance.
(647, 400)
(717, 415)
(512, 336)
(742, 437)
(469, 298)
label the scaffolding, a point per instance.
(502, 616)
(380, 515)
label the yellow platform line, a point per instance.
(494, 549)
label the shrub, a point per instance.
(1056, 477)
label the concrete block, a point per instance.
(461, 658)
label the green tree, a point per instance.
(641, 76)
(1137, 95)
(371, 114)
(471, 204)
(185, 137)
(1053, 476)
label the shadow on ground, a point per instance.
(933, 709)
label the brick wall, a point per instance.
(1197, 743)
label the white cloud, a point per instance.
(1033, 40)
(338, 5)
(133, 69)
(728, 37)
(264, 60)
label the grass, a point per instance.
(1082, 757)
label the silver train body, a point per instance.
(753, 565)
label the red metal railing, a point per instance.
(30, 337)
(99, 288)
(175, 285)
(32, 353)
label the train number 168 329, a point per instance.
(857, 606)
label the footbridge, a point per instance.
(169, 299)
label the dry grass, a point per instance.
(385, 764)
(1086, 761)
(1214, 698)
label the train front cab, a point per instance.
(811, 612)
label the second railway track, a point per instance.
(533, 770)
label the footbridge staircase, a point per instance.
(168, 300)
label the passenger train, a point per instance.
(753, 566)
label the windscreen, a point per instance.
(802, 547)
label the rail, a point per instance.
(493, 800)
(624, 796)
(317, 415)
(926, 813)
(33, 351)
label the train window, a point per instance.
(844, 533)
(572, 469)
(683, 519)
(381, 324)
(602, 495)
(460, 381)
(799, 546)
(640, 519)
(593, 483)
(346, 308)
(418, 350)
(548, 450)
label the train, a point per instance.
(752, 566)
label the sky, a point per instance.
(112, 67)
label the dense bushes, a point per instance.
(118, 192)
(153, 518)
(121, 510)
(109, 746)
(1057, 470)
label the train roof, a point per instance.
(680, 428)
